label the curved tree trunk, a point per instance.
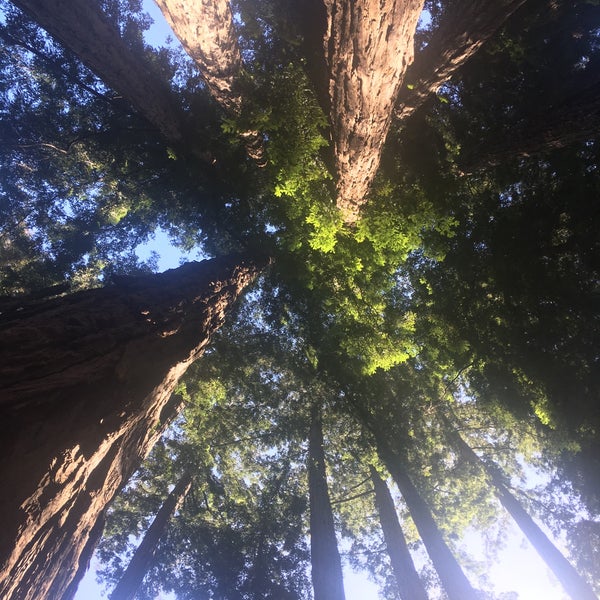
(327, 577)
(467, 25)
(205, 29)
(563, 570)
(141, 561)
(89, 380)
(81, 27)
(410, 586)
(369, 44)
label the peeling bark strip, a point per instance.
(369, 45)
(68, 450)
(466, 27)
(205, 29)
(81, 27)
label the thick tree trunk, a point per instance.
(467, 25)
(142, 559)
(81, 27)
(571, 581)
(453, 579)
(205, 29)
(327, 577)
(89, 381)
(369, 44)
(410, 586)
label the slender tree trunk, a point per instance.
(89, 381)
(571, 581)
(206, 31)
(466, 26)
(409, 584)
(142, 559)
(327, 578)
(368, 47)
(81, 27)
(453, 579)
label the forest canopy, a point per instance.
(401, 198)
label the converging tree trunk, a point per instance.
(327, 577)
(206, 31)
(88, 382)
(410, 586)
(466, 26)
(369, 44)
(563, 570)
(82, 28)
(453, 579)
(142, 558)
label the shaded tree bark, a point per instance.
(577, 119)
(142, 558)
(89, 389)
(409, 584)
(327, 578)
(453, 579)
(563, 570)
(467, 25)
(369, 44)
(205, 29)
(81, 27)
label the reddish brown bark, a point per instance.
(205, 29)
(81, 27)
(369, 44)
(467, 25)
(90, 401)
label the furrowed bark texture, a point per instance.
(467, 25)
(81, 27)
(408, 582)
(327, 578)
(92, 396)
(141, 561)
(572, 582)
(205, 29)
(369, 45)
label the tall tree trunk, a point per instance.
(409, 584)
(205, 29)
(89, 380)
(142, 559)
(466, 26)
(369, 44)
(571, 581)
(81, 26)
(453, 579)
(327, 577)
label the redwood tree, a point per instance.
(87, 395)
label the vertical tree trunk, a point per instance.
(89, 378)
(563, 570)
(205, 29)
(327, 577)
(81, 27)
(409, 584)
(142, 558)
(453, 579)
(369, 44)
